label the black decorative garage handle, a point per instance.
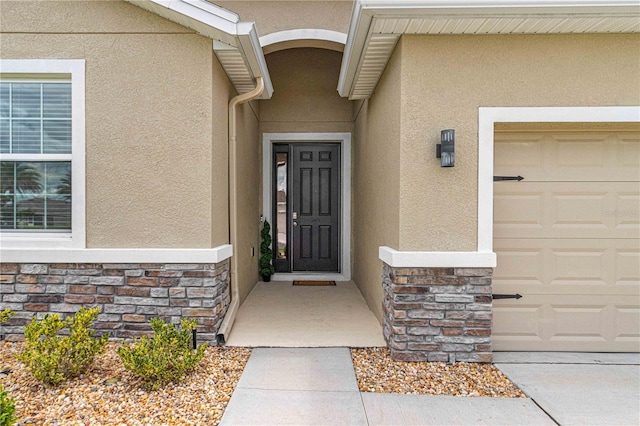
(506, 296)
(499, 178)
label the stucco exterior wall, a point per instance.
(149, 119)
(249, 207)
(222, 92)
(376, 181)
(444, 81)
(305, 97)
(273, 16)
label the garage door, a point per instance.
(567, 238)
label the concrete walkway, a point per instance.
(579, 388)
(311, 386)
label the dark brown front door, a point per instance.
(312, 209)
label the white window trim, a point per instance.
(77, 237)
(268, 139)
(487, 118)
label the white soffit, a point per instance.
(235, 43)
(376, 26)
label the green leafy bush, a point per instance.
(266, 267)
(52, 358)
(7, 409)
(6, 315)
(164, 358)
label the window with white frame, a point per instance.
(42, 151)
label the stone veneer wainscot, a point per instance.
(438, 314)
(127, 294)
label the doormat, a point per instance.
(314, 283)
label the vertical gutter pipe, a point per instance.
(230, 316)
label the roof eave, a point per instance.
(367, 11)
(250, 44)
(220, 25)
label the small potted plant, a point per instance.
(266, 254)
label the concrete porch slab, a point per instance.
(579, 394)
(278, 314)
(396, 409)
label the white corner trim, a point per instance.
(213, 255)
(268, 139)
(436, 259)
(488, 116)
(303, 34)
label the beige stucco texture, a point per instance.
(305, 97)
(274, 16)
(150, 143)
(444, 81)
(246, 249)
(376, 182)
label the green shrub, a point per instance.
(6, 315)
(265, 264)
(164, 358)
(7, 409)
(53, 359)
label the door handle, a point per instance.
(295, 223)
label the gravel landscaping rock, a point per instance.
(377, 372)
(109, 395)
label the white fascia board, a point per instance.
(252, 52)
(201, 16)
(437, 259)
(212, 255)
(391, 8)
(354, 48)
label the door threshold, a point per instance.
(301, 276)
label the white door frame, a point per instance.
(344, 139)
(488, 116)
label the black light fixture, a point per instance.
(445, 149)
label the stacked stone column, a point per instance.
(438, 314)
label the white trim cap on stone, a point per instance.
(436, 259)
(376, 27)
(119, 255)
(236, 43)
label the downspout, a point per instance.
(230, 316)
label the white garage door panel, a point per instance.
(568, 156)
(568, 210)
(569, 323)
(567, 266)
(568, 240)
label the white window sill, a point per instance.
(38, 241)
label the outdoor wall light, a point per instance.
(445, 149)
